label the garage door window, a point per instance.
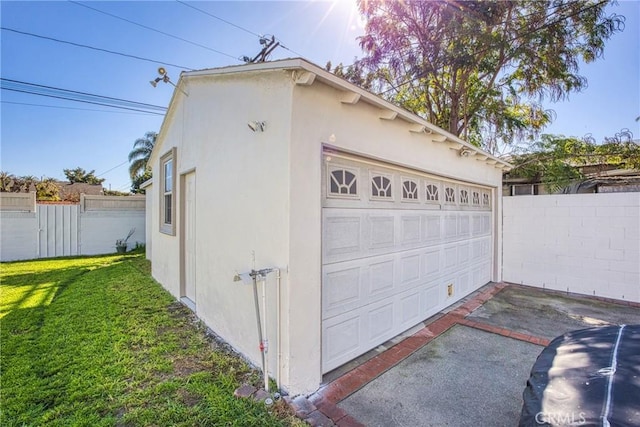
(381, 187)
(343, 183)
(476, 198)
(464, 196)
(409, 190)
(432, 193)
(449, 195)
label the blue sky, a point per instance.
(41, 141)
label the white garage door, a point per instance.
(398, 246)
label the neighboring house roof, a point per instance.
(306, 74)
(69, 189)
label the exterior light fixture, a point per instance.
(164, 78)
(464, 152)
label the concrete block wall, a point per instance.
(583, 243)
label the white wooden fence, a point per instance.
(29, 230)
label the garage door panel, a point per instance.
(381, 232)
(410, 309)
(432, 266)
(381, 277)
(380, 322)
(341, 340)
(342, 289)
(410, 230)
(410, 270)
(429, 300)
(388, 259)
(432, 228)
(341, 235)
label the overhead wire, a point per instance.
(154, 61)
(77, 100)
(154, 29)
(73, 108)
(220, 19)
(246, 30)
(77, 96)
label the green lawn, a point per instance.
(95, 341)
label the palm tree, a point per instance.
(139, 156)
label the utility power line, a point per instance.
(153, 29)
(72, 108)
(246, 30)
(154, 61)
(220, 19)
(77, 96)
(109, 170)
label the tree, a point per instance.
(47, 189)
(139, 156)
(556, 160)
(480, 69)
(138, 180)
(80, 175)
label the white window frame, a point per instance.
(436, 184)
(404, 179)
(358, 184)
(168, 227)
(453, 187)
(375, 174)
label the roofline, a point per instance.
(357, 94)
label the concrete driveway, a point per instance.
(465, 367)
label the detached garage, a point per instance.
(373, 218)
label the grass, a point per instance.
(96, 341)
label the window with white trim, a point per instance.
(409, 190)
(381, 187)
(449, 195)
(431, 191)
(476, 198)
(167, 193)
(343, 182)
(486, 200)
(464, 196)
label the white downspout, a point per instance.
(265, 341)
(278, 339)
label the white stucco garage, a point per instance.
(376, 218)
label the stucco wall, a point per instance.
(18, 235)
(583, 243)
(242, 203)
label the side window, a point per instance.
(381, 187)
(409, 190)
(167, 193)
(343, 182)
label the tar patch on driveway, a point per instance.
(465, 377)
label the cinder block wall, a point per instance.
(583, 243)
